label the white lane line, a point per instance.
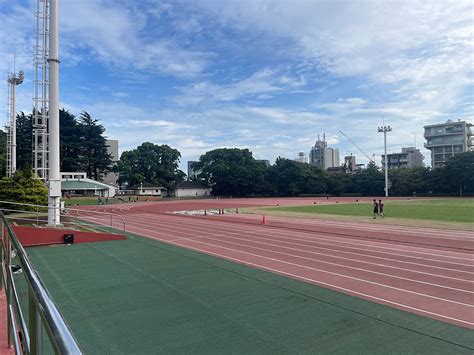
(316, 269)
(321, 283)
(271, 235)
(173, 229)
(309, 236)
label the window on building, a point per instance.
(438, 157)
(454, 129)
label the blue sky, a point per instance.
(266, 75)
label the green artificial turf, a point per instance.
(439, 210)
(141, 296)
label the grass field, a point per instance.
(450, 210)
(142, 296)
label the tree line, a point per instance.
(234, 172)
(230, 171)
(82, 143)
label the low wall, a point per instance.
(31, 236)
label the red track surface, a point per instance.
(4, 349)
(421, 270)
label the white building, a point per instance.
(147, 189)
(301, 158)
(73, 183)
(410, 157)
(446, 140)
(189, 189)
(323, 156)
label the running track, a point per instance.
(425, 271)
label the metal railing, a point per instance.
(26, 337)
(73, 217)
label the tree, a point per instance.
(290, 178)
(459, 172)
(23, 188)
(93, 156)
(3, 153)
(406, 181)
(24, 139)
(339, 183)
(370, 182)
(152, 163)
(231, 172)
(70, 142)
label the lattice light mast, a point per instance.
(13, 80)
(41, 95)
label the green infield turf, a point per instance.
(450, 210)
(141, 296)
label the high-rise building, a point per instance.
(410, 157)
(192, 173)
(323, 156)
(350, 163)
(447, 139)
(112, 149)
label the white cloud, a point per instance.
(261, 85)
(419, 46)
(117, 34)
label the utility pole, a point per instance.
(385, 129)
(54, 181)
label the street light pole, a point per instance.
(385, 129)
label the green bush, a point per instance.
(23, 188)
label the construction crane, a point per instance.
(371, 159)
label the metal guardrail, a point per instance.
(26, 337)
(77, 216)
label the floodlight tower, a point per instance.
(385, 130)
(13, 80)
(40, 98)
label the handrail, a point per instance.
(67, 210)
(40, 302)
(20, 218)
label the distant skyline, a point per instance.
(266, 75)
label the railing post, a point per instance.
(8, 286)
(36, 346)
(2, 257)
